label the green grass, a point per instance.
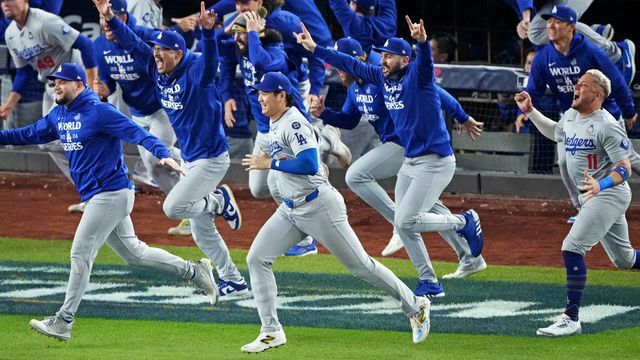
(58, 251)
(126, 339)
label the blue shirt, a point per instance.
(188, 95)
(561, 73)
(367, 30)
(117, 65)
(91, 132)
(410, 95)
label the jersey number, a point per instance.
(46, 63)
(592, 161)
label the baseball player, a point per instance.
(43, 41)
(366, 100)
(118, 66)
(597, 151)
(411, 96)
(560, 64)
(185, 87)
(311, 206)
(91, 134)
(533, 25)
(370, 22)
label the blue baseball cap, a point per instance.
(366, 5)
(349, 46)
(118, 6)
(274, 82)
(562, 12)
(71, 72)
(170, 40)
(395, 46)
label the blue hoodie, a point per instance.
(519, 6)
(189, 95)
(116, 65)
(261, 58)
(91, 132)
(561, 73)
(410, 95)
(367, 30)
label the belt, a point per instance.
(294, 203)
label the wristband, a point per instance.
(605, 183)
(624, 173)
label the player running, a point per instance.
(311, 206)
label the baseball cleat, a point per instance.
(420, 322)
(231, 289)
(395, 244)
(627, 62)
(53, 326)
(606, 31)
(77, 208)
(462, 273)
(183, 228)
(563, 327)
(203, 278)
(230, 210)
(338, 148)
(303, 250)
(429, 289)
(472, 232)
(265, 341)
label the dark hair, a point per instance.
(446, 43)
(289, 99)
(270, 5)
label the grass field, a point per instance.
(133, 338)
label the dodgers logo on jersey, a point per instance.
(66, 30)
(625, 144)
(574, 144)
(274, 148)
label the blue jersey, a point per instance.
(116, 65)
(561, 73)
(91, 132)
(260, 59)
(188, 95)
(519, 6)
(410, 95)
(367, 30)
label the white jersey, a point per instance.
(288, 136)
(147, 12)
(594, 143)
(44, 42)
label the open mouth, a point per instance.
(159, 61)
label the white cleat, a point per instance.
(265, 341)
(563, 327)
(461, 273)
(421, 322)
(395, 244)
(183, 228)
(204, 280)
(77, 208)
(53, 326)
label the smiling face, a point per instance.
(241, 42)
(272, 103)
(587, 94)
(66, 90)
(392, 63)
(107, 30)
(166, 59)
(559, 30)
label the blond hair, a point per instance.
(602, 80)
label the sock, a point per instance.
(576, 282)
(637, 264)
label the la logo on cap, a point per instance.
(263, 76)
(280, 87)
(159, 36)
(386, 44)
(176, 45)
(555, 10)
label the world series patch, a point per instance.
(295, 125)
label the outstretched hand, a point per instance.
(104, 8)
(472, 127)
(257, 162)
(317, 107)
(254, 21)
(417, 30)
(305, 39)
(207, 17)
(172, 164)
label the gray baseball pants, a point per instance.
(193, 198)
(602, 220)
(239, 147)
(106, 218)
(383, 162)
(421, 181)
(324, 218)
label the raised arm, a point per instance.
(381, 26)
(424, 69)
(619, 90)
(208, 62)
(346, 63)
(262, 59)
(546, 126)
